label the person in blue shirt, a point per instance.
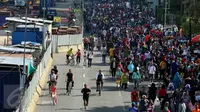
(133, 108)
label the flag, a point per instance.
(31, 68)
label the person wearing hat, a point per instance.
(143, 104)
(133, 108)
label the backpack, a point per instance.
(99, 78)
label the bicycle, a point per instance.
(71, 61)
(69, 88)
(99, 87)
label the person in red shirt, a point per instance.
(162, 92)
(54, 94)
(135, 96)
(78, 56)
(86, 43)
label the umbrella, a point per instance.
(196, 39)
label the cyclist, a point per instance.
(86, 92)
(52, 79)
(69, 78)
(55, 71)
(69, 53)
(99, 79)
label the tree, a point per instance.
(192, 8)
(191, 11)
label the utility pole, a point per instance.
(167, 7)
(21, 109)
(44, 33)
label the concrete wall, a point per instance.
(41, 75)
(37, 83)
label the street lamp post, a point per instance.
(190, 29)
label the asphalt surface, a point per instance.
(112, 99)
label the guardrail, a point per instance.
(28, 96)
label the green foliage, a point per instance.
(192, 8)
(195, 28)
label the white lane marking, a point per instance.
(123, 105)
(83, 71)
(120, 95)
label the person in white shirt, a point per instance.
(52, 79)
(182, 106)
(99, 79)
(104, 52)
(152, 71)
(84, 58)
(90, 57)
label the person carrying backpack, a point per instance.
(99, 79)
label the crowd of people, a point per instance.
(141, 50)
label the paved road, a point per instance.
(112, 99)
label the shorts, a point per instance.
(86, 98)
(67, 56)
(100, 82)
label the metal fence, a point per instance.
(36, 78)
(65, 40)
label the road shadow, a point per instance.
(105, 70)
(62, 94)
(97, 55)
(100, 64)
(61, 65)
(82, 95)
(60, 109)
(109, 109)
(108, 88)
(50, 104)
(45, 95)
(110, 79)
